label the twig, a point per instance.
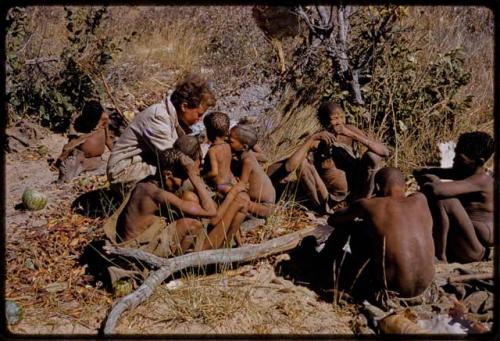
(470, 277)
(108, 91)
(202, 258)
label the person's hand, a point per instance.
(429, 178)
(189, 165)
(341, 129)
(326, 136)
(240, 186)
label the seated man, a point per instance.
(88, 138)
(167, 223)
(462, 208)
(330, 169)
(242, 139)
(390, 241)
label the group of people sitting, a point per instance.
(176, 199)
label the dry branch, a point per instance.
(202, 258)
(108, 91)
(470, 277)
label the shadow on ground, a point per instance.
(99, 203)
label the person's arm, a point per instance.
(348, 214)
(159, 132)
(312, 142)
(450, 189)
(185, 206)
(443, 173)
(214, 165)
(193, 173)
(356, 134)
(228, 200)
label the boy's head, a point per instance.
(217, 125)
(386, 178)
(170, 162)
(91, 114)
(473, 150)
(242, 137)
(330, 114)
(191, 98)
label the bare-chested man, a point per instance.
(88, 138)
(462, 208)
(138, 223)
(329, 167)
(219, 154)
(391, 233)
(242, 139)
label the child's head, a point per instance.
(473, 149)
(242, 137)
(217, 125)
(91, 114)
(330, 114)
(170, 163)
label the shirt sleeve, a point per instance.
(159, 132)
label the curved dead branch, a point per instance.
(202, 258)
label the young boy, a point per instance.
(462, 208)
(242, 138)
(346, 173)
(219, 154)
(165, 223)
(89, 135)
(390, 240)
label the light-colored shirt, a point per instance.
(153, 130)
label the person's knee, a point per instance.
(448, 204)
(371, 160)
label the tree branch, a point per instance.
(202, 258)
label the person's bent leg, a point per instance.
(219, 232)
(454, 234)
(262, 210)
(187, 230)
(369, 164)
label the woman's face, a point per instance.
(191, 115)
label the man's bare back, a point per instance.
(391, 233)
(403, 229)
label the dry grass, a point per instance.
(249, 300)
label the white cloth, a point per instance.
(152, 130)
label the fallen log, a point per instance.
(202, 258)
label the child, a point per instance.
(178, 226)
(242, 138)
(219, 154)
(87, 142)
(462, 208)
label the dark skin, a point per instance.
(313, 176)
(93, 146)
(462, 208)
(147, 198)
(219, 157)
(395, 237)
(260, 188)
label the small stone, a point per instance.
(13, 312)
